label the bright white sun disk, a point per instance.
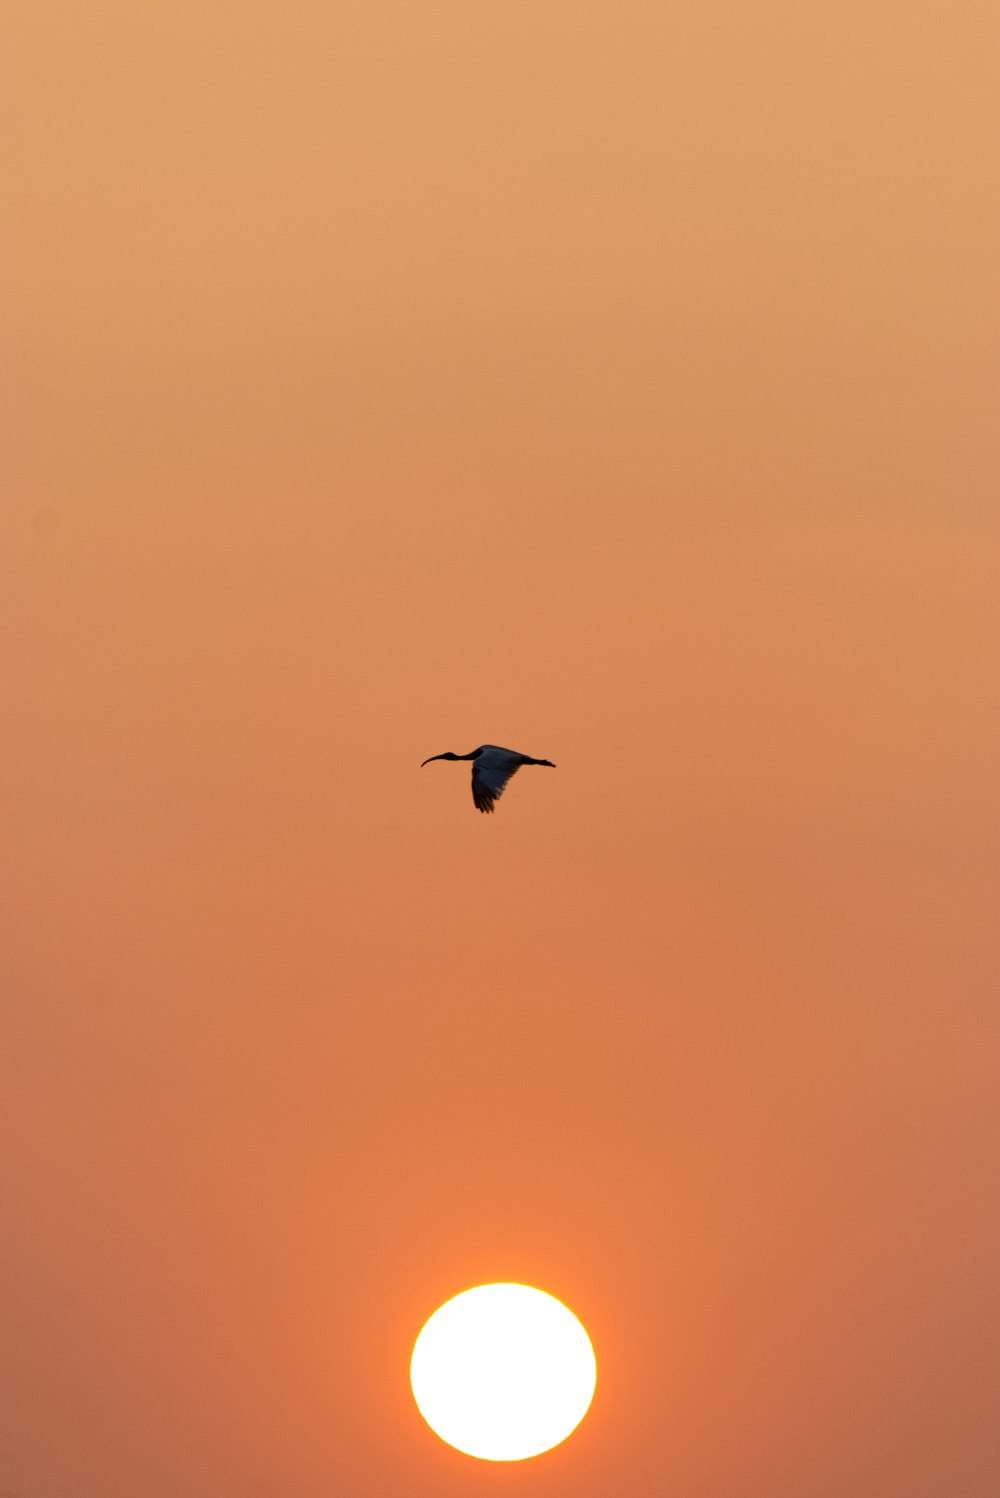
(503, 1372)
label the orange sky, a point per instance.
(614, 382)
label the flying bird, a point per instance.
(491, 769)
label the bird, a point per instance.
(492, 767)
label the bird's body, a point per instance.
(492, 767)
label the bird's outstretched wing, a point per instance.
(489, 779)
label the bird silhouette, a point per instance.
(492, 767)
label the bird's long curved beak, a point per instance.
(427, 761)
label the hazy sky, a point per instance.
(617, 382)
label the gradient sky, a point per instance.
(620, 383)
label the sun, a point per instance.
(503, 1372)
